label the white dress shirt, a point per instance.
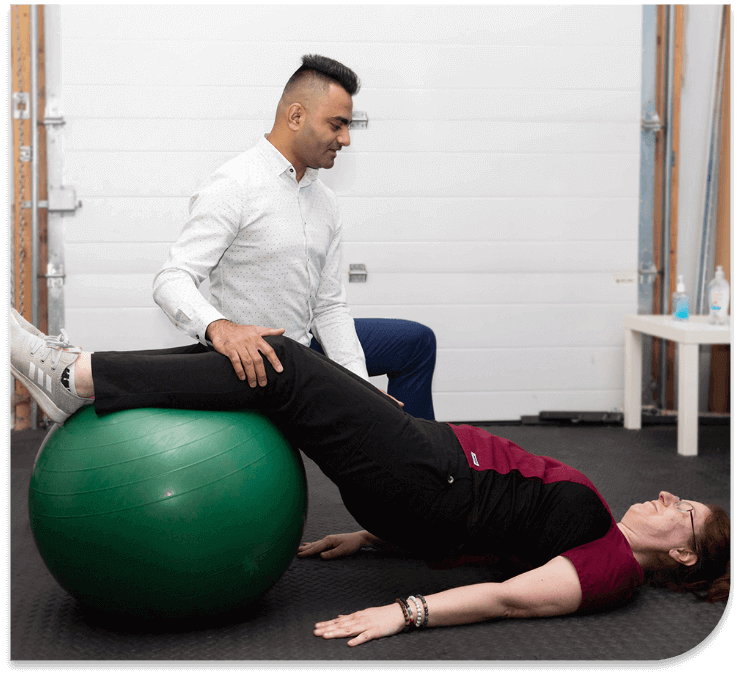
(270, 248)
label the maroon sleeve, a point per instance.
(608, 572)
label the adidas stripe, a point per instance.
(39, 377)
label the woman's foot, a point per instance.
(41, 364)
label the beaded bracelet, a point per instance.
(427, 611)
(418, 621)
(408, 621)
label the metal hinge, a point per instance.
(54, 276)
(54, 121)
(651, 123)
(22, 110)
(358, 272)
(359, 120)
(26, 154)
(648, 273)
(62, 199)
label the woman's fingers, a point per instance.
(363, 626)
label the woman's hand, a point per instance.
(401, 404)
(336, 545)
(363, 626)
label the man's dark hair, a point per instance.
(326, 69)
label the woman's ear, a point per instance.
(683, 556)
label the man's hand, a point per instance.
(243, 345)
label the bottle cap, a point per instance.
(680, 283)
(719, 273)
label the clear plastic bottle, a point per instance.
(680, 302)
(719, 293)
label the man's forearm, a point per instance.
(213, 328)
(175, 292)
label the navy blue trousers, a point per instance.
(405, 351)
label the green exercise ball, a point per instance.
(167, 513)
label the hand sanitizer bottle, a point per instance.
(719, 292)
(680, 302)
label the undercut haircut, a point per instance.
(326, 70)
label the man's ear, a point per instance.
(295, 116)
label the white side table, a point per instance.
(688, 335)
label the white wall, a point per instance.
(492, 197)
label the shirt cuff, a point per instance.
(206, 317)
(359, 369)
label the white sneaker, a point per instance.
(38, 362)
(16, 317)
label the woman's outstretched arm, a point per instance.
(550, 590)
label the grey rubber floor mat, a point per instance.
(626, 466)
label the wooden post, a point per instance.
(671, 273)
(20, 49)
(719, 400)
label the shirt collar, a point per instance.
(280, 164)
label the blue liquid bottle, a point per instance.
(680, 302)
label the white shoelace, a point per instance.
(55, 343)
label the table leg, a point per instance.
(687, 428)
(633, 375)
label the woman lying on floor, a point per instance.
(435, 490)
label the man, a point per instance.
(266, 232)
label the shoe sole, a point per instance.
(42, 399)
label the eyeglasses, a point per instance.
(685, 507)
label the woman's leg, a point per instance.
(403, 479)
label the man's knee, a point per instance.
(423, 336)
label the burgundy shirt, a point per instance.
(533, 508)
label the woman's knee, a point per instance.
(286, 350)
(282, 345)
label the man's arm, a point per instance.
(333, 325)
(213, 223)
(214, 219)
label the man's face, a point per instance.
(325, 129)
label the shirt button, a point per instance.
(291, 170)
(450, 480)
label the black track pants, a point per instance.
(404, 479)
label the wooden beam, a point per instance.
(20, 49)
(674, 194)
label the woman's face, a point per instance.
(660, 526)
